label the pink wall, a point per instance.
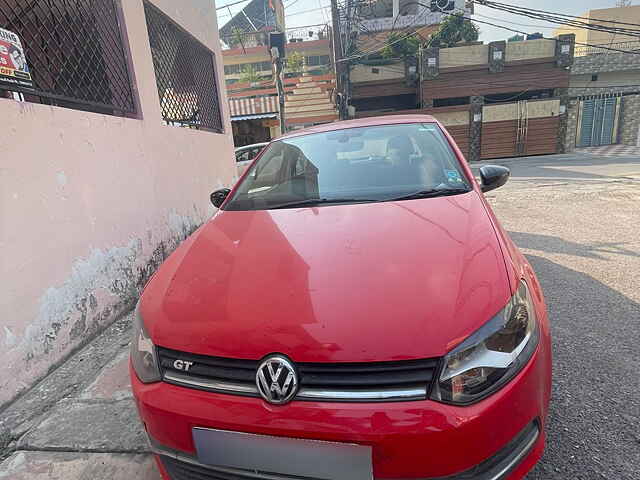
(89, 202)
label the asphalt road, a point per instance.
(577, 219)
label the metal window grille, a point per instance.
(185, 74)
(74, 51)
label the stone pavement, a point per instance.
(611, 151)
(92, 433)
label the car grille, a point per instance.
(347, 382)
(180, 470)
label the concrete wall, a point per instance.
(366, 73)
(452, 119)
(623, 82)
(91, 204)
(464, 56)
(530, 49)
(479, 54)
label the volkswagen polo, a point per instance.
(353, 310)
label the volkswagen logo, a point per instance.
(277, 380)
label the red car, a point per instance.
(353, 311)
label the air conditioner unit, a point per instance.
(447, 5)
(442, 5)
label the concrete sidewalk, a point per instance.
(91, 431)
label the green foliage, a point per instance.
(453, 30)
(295, 62)
(249, 74)
(235, 40)
(399, 46)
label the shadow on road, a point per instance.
(552, 244)
(567, 168)
(595, 410)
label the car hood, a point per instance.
(345, 283)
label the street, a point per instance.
(576, 218)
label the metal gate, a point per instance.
(522, 131)
(527, 127)
(598, 121)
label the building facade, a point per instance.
(103, 173)
(308, 85)
(604, 17)
(503, 99)
(605, 100)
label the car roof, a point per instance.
(362, 122)
(248, 147)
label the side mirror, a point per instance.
(219, 196)
(493, 176)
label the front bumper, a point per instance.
(508, 461)
(409, 440)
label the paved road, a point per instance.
(577, 219)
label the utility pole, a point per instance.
(277, 63)
(341, 86)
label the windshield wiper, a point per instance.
(319, 201)
(434, 192)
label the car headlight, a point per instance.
(492, 356)
(143, 352)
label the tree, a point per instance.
(295, 62)
(454, 29)
(235, 38)
(399, 46)
(249, 74)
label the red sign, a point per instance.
(13, 62)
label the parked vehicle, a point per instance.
(246, 154)
(353, 311)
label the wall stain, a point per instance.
(101, 286)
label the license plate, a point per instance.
(283, 455)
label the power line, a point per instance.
(557, 18)
(308, 11)
(291, 3)
(488, 3)
(231, 4)
(514, 23)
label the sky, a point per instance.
(298, 14)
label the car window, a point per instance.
(242, 156)
(270, 167)
(253, 153)
(359, 164)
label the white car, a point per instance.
(246, 154)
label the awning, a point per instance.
(253, 117)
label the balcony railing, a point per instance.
(582, 51)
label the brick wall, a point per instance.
(605, 62)
(572, 126)
(630, 120)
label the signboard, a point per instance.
(13, 62)
(270, 122)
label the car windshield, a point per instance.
(365, 164)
